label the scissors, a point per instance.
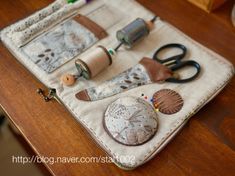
(175, 62)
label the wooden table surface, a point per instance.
(205, 146)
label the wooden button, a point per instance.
(68, 79)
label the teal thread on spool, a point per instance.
(71, 1)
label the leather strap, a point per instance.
(98, 31)
(157, 72)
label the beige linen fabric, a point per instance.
(216, 72)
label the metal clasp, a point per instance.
(49, 96)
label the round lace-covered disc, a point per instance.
(130, 121)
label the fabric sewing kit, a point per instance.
(132, 99)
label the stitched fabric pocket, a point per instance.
(62, 43)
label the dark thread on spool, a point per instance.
(153, 19)
(119, 45)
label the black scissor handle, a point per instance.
(169, 46)
(181, 64)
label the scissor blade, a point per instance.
(129, 79)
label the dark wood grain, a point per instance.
(205, 146)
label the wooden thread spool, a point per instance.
(94, 62)
(90, 65)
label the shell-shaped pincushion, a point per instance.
(167, 101)
(130, 121)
